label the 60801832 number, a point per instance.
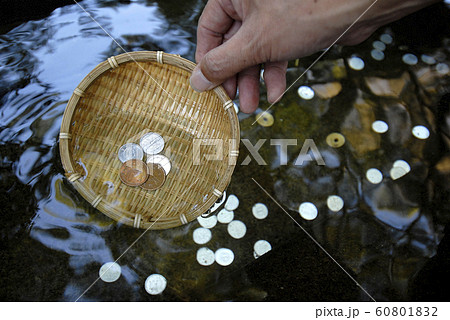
(407, 311)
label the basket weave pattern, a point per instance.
(122, 99)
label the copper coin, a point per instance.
(133, 172)
(156, 177)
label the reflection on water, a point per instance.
(54, 242)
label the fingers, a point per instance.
(214, 22)
(275, 79)
(230, 86)
(248, 82)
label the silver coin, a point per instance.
(420, 132)
(202, 235)
(374, 176)
(232, 203)
(397, 173)
(386, 38)
(308, 211)
(335, 203)
(225, 216)
(377, 54)
(356, 63)
(163, 161)
(379, 45)
(110, 272)
(260, 211)
(410, 59)
(208, 222)
(130, 151)
(237, 229)
(155, 284)
(152, 143)
(205, 256)
(260, 248)
(305, 92)
(428, 59)
(224, 256)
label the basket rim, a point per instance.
(96, 200)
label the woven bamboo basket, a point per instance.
(132, 94)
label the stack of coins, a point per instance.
(148, 175)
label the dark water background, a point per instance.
(53, 242)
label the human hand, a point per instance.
(235, 36)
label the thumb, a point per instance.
(222, 62)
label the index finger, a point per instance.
(215, 21)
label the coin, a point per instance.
(133, 172)
(110, 272)
(308, 211)
(261, 247)
(374, 176)
(260, 211)
(156, 177)
(152, 143)
(163, 161)
(305, 92)
(335, 140)
(265, 119)
(205, 256)
(237, 229)
(130, 151)
(224, 256)
(155, 284)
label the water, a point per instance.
(54, 242)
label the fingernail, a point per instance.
(198, 81)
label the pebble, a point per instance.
(155, 284)
(308, 211)
(237, 229)
(110, 272)
(260, 211)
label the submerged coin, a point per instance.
(265, 119)
(380, 126)
(224, 256)
(163, 161)
(374, 176)
(410, 59)
(260, 211)
(308, 211)
(356, 63)
(335, 203)
(205, 256)
(152, 143)
(335, 140)
(208, 222)
(156, 177)
(386, 38)
(237, 229)
(305, 92)
(201, 235)
(133, 172)
(130, 151)
(402, 164)
(420, 132)
(155, 284)
(261, 247)
(225, 216)
(110, 272)
(232, 203)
